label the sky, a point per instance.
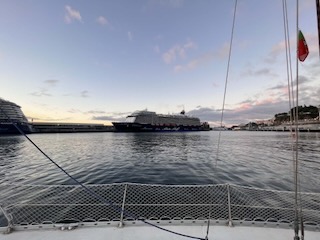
(98, 61)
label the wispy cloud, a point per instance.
(73, 110)
(276, 50)
(108, 118)
(259, 72)
(44, 91)
(280, 48)
(41, 93)
(262, 106)
(275, 100)
(223, 51)
(177, 52)
(243, 113)
(102, 21)
(51, 82)
(113, 116)
(203, 59)
(90, 112)
(95, 112)
(302, 80)
(130, 35)
(71, 15)
(50, 119)
(84, 94)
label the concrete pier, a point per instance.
(45, 127)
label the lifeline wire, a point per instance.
(108, 202)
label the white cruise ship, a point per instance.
(10, 114)
(146, 121)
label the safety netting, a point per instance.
(43, 204)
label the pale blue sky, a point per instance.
(97, 61)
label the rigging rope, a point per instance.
(226, 80)
(91, 192)
(293, 118)
(288, 60)
(223, 103)
(294, 114)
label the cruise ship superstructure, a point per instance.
(146, 121)
(11, 113)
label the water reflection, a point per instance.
(257, 159)
(11, 148)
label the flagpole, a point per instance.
(296, 221)
(318, 17)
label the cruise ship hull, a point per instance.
(11, 113)
(9, 128)
(136, 127)
(146, 121)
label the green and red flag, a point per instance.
(303, 50)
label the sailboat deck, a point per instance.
(143, 232)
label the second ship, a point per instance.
(12, 117)
(146, 121)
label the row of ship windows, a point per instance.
(161, 120)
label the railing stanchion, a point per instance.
(123, 203)
(229, 206)
(9, 220)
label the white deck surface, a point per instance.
(147, 233)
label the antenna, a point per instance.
(183, 112)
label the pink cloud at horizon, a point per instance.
(252, 104)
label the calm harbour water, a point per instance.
(256, 159)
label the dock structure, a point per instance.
(302, 127)
(45, 127)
